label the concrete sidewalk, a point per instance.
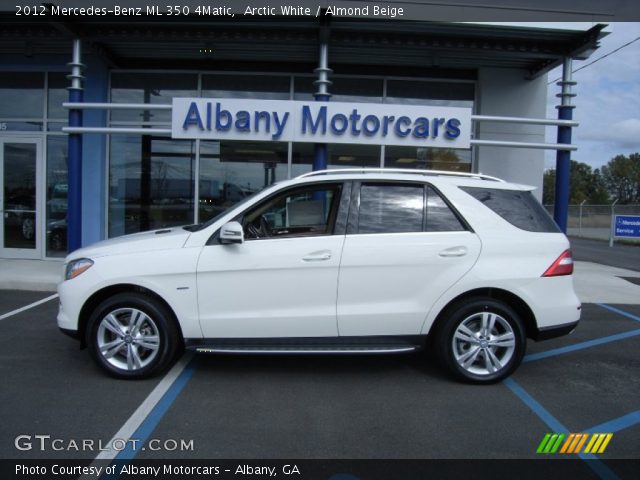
(36, 275)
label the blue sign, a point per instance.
(627, 226)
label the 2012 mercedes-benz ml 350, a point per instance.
(354, 261)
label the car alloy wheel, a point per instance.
(132, 335)
(483, 343)
(480, 340)
(128, 339)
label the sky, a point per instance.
(607, 101)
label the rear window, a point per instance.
(518, 208)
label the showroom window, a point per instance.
(31, 103)
(149, 88)
(151, 183)
(231, 171)
(218, 174)
(266, 87)
(22, 101)
(340, 155)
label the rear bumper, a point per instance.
(555, 331)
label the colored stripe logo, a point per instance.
(574, 443)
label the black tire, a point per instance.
(148, 342)
(474, 361)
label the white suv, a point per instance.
(339, 261)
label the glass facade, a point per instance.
(56, 196)
(31, 103)
(151, 183)
(157, 182)
(19, 163)
(230, 171)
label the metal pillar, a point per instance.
(74, 175)
(320, 154)
(563, 157)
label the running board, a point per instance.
(306, 350)
(309, 345)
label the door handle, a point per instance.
(317, 256)
(459, 251)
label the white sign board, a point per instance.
(321, 122)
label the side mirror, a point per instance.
(231, 233)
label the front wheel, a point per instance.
(481, 340)
(132, 336)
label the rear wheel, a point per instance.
(132, 336)
(481, 340)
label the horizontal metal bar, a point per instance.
(116, 106)
(542, 146)
(163, 131)
(531, 121)
(141, 131)
(118, 123)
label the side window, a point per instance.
(517, 207)
(297, 212)
(391, 208)
(440, 218)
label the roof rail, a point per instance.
(406, 171)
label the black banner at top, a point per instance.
(589, 11)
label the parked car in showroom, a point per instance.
(359, 261)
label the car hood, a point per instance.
(163, 239)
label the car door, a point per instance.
(282, 280)
(404, 248)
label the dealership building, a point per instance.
(170, 121)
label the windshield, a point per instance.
(202, 226)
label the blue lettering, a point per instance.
(435, 127)
(279, 125)
(219, 115)
(344, 123)
(354, 117)
(193, 117)
(209, 116)
(366, 123)
(267, 118)
(452, 129)
(402, 120)
(386, 121)
(421, 127)
(243, 121)
(320, 119)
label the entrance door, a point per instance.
(20, 180)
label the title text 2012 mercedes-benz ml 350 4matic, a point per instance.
(338, 261)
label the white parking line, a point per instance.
(27, 307)
(135, 420)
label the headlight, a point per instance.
(77, 267)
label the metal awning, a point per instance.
(142, 43)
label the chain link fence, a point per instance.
(594, 221)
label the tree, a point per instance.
(586, 184)
(622, 178)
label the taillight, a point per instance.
(562, 266)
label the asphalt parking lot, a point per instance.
(393, 407)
